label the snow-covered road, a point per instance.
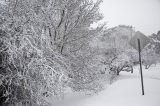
(126, 91)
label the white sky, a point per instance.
(144, 15)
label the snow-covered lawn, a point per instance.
(126, 91)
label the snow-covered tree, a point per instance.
(33, 36)
(151, 51)
(156, 42)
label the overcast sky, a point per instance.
(144, 15)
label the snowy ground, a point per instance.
(125, 91)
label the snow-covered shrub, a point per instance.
(86, 72)
(121, 60)
(27, 72)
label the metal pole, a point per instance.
(139, 50)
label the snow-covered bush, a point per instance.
(28, 71)
(30, 67)
(85, 74)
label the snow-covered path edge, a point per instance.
(126, 91)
